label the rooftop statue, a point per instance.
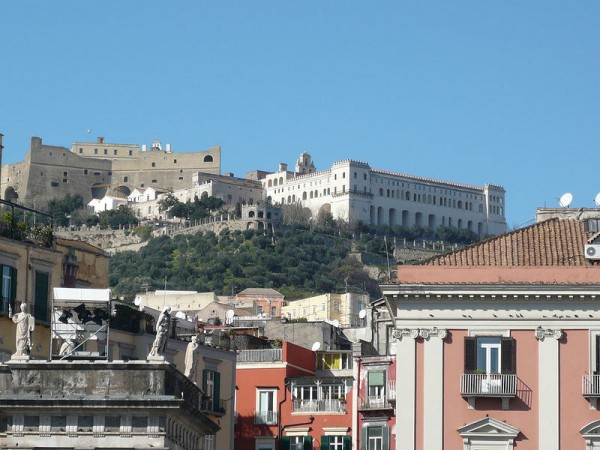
(25, 325)
(163, 324)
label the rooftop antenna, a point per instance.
(597, 199)
(229, 316)
(565, 200)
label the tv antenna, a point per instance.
(565, 200)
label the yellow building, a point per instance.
(344, 308)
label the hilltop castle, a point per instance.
(95, 169)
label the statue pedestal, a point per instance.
(19, 358)
(156, 358)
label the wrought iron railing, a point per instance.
(488, 385)
(264, 355)
(265, 417)
(332, 405)
(25, 224)
(591, 385)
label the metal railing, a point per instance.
(488, 385)
(210, 406)
(591, 385)
(332, 405)
(265, 355)
(265, 417)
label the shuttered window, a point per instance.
(490, 354)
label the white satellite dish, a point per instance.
(565, 200)
(229, 315)
(362, 314)
(137, 300)
(316, 346)
(597, 199)
(180, 315)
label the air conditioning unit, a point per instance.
(592, 251)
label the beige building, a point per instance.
(96, 169)
(343, 308)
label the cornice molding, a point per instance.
(543, 333)
(424, 333)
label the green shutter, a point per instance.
(376, 378)
(363, 439)
(508, 355)
(217, 393)
(13, 288)
(285, 443)
(470, 354)
(307, 445)
(324, 442)
(204, 379)
(385, 432)
(347, 442)
(40, 306)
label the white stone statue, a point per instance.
(25, 325)
(190, 360)
(163, 325)
(67, 347)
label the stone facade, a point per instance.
(100, 405)
(50, 172)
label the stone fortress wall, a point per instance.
(50, 172)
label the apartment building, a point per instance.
(293, 398)
(495, 346)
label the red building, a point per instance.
(293, 398)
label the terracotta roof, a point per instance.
(553, 242)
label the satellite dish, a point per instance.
(180, 315)
(362, 314)
(316, 346)
(137, 300)
(565, 200)
(597, 199)
(229, 316)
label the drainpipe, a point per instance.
(285, 386)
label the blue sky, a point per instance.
(466, 91)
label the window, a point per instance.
(95, 151)
(375, 438)
(490, 354)
(296, 443)
(40, 302)
(130, 152)
(106, 151)
(208, 158)
(80, 150)
(211, 382)
(336, 442)
(335, 361)
(8, 287)
(125, 179)
(153, 164)
(209, 442)
(266, 407)
(85, 171)
(376, 384)
(115, 152)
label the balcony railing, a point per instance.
(334, 405)
(265, 417)
(211, 407)
(265, 355)
(591, 386)
(25, 224)
(382, 401)
(488, 385)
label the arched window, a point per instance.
(208, 158)
(304, 196)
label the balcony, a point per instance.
(317, 406)
(260, 356)
(493, 385)
(265, 417)
(382, 401)
(591, 388)
(209, 406)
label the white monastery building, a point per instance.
(353, 191)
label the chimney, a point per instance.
(100, 140)
(283, 167)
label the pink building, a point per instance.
(496, 346)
